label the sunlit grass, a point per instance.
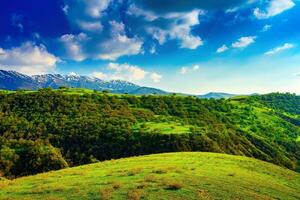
(169, 127)
(162, 176)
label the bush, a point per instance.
(28, 157)
(134, 194)
(173, 185)
(106, 193)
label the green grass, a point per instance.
(298, 139)
(162, 176)
(169, 127)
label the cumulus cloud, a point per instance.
(114, 45)
(85, 9)
(244, 42)
(127, 72)
(274, 7)
(156, 77)
(279, 49)
(28, 58)
(186, 70)
(97, 41)
(222, 49)
(179, 28)
(119, 44)
(148, 23)
(117, 71)
(104, 35)
(86, 15)
(74, 45)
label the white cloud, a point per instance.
(275, 7)
(127, 72)
(112, 39)
(222, 49)
(90, 26)
(119, 44)
(94, 8)
(179, 29)
(116, 44)
(158, 34)
(266, 28)
(99, 75)
(86, 14)
(244, 42)
(280, 49)
(185, 70)
(156, 77)
(136, 11)
(74, 45)
(28, 58)
(96, 41)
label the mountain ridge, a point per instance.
(12, 80)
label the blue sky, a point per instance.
(194, 46)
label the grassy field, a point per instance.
(162, 176)
(164, 127)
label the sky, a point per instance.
(190, 46)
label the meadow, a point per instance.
(163, 176)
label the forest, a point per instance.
(52, 129)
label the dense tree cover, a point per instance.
(284, 102)
(47, 130)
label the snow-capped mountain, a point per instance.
(11, 80)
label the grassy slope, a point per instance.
(162, 176)
(169, 127)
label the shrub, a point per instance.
(134, 194)
(150, 178)
(116, 185)
(160, 171)
(106, 193)
(134, 171)
(142, 185)
(173, 185)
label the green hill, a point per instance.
(53, 129)
(162, 176)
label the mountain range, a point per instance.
(12, 80)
